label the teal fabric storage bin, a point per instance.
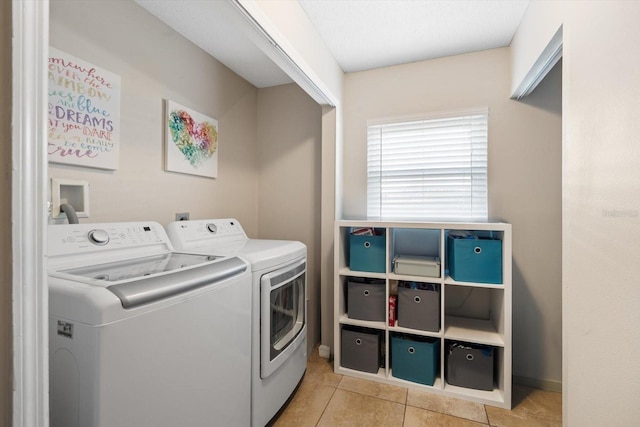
(415, 359)
(475, 260)
(367, 253)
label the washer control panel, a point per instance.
(99, 237)
(81, 238)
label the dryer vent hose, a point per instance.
(70, 212)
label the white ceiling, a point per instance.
(368, 34)
(361, 34)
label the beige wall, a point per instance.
(289, 159)
(524, 178)
(156, 63)
(5, 217)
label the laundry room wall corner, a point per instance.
(290, 129)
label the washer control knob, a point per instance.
(213, 229)
(99, 237)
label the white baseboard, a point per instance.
(541, 384)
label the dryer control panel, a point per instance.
(190, 235)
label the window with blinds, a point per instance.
(428, 169)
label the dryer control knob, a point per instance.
(99, 237)
(212, 228)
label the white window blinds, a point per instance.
(428, 169)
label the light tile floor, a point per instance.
(329, 400)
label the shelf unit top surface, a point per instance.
(421, 224)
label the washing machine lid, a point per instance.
(143, 280)
(138, 267)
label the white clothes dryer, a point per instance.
(279, 330)
(141, 335)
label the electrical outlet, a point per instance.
(182, 216)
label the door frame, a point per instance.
(30, 28)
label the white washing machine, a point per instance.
(279, 331)
(143, 336)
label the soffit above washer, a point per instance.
(213, 26)
(369, 34)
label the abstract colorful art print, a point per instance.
(84, 113)
(191, 142)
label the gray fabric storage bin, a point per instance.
(470, 366)
(419, 309)
(366, 301)
(360, 350)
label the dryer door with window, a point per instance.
(283, 315)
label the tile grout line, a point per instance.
(327, 405)
(486, 414)
(404, 413)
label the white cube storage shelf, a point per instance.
(472, 313)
